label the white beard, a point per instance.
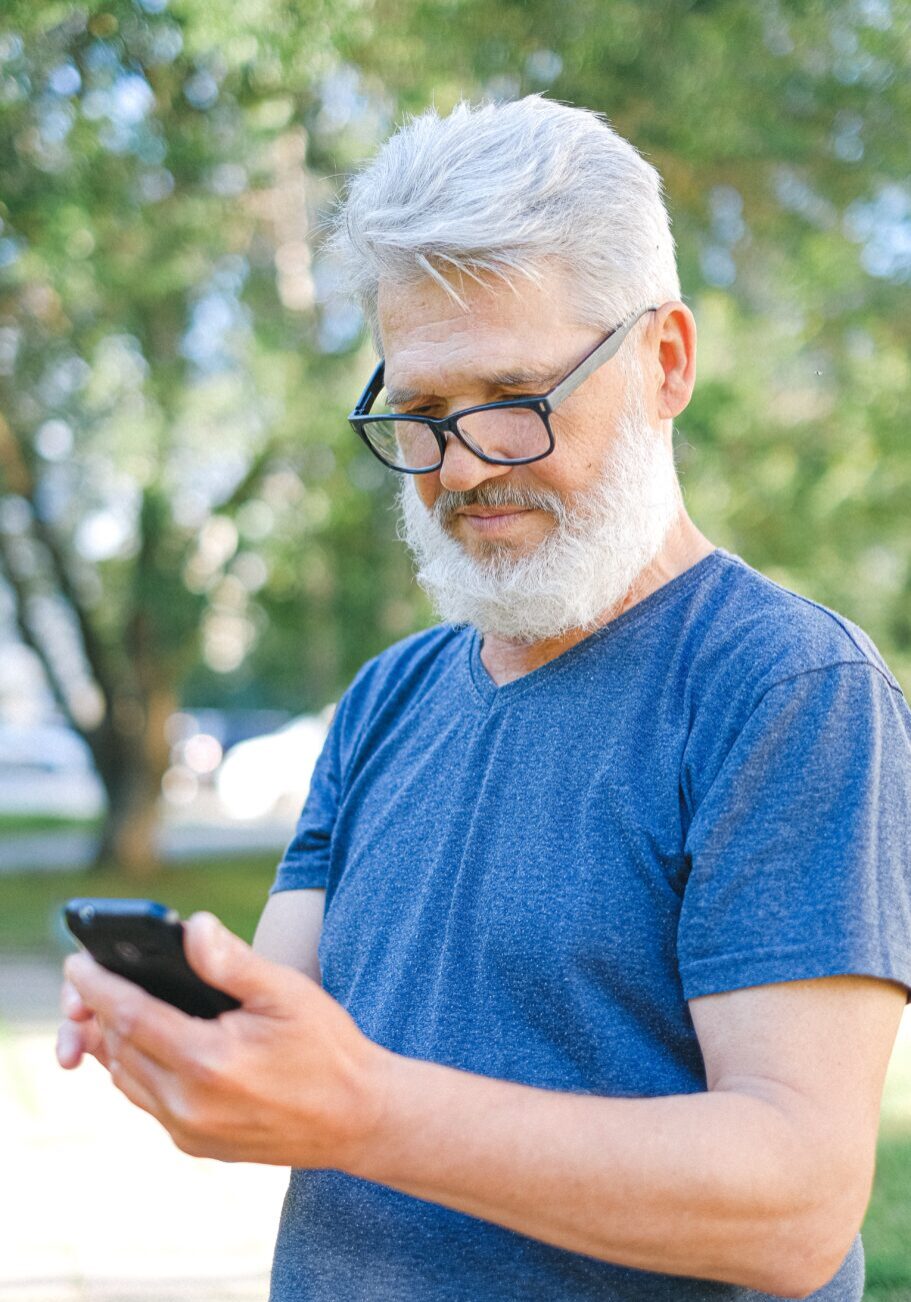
(581, 572)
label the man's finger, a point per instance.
(158, 1029)
(228, 963)
(76, 1039)
(70, 1045)
(156, 1080)
(72, 1005)
(135, 1090)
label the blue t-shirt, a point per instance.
(530, 881)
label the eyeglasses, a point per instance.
(510, 433)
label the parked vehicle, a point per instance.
(270, 775)
(47, 769)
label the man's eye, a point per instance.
(518, 395)
(411, 411)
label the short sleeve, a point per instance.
(305, 862)
(799, 852)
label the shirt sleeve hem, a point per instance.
(715, 975)
(298, 877)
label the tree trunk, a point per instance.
(132, 759)
(128, 838)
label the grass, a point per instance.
(236, 891)
(24, 823)
(30, 902)
(887, 1228)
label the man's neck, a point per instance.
(684, 546)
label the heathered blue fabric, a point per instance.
(713, 791)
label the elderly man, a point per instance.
(609, 871)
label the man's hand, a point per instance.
(287, 1079)
(760, 1181)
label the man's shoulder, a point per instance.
(412, 655)
(402, 670)
(759, 658)
(757, 633)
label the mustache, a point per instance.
(496, 494)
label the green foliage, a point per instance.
(173, 416)
(165, 170)
(888, 1223)
(780, 129)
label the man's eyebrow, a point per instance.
(399, 397)
(539, 378)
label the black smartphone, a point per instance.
(143, 941)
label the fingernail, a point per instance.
(214, 932)
(71, 1001)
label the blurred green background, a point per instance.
(187, 522)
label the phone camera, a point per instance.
(86, 913)
(127, 950)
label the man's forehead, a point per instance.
(404, 385)
(497, 338)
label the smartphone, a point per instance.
(143, 941)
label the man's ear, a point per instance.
(673, 338)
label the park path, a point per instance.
(51, 851)
(96, 1204)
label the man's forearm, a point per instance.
(713, 1185)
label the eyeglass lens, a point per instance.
(506, 434)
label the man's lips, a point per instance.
(492, 512)
(486, 519)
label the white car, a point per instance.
(270, 775)
(48, 769)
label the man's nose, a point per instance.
(462, 470)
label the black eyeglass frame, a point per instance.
(543, 403)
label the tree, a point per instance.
(780, 129)
(184, 515)
(154, 363)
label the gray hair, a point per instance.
(501, 188)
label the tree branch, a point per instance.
(255, 472)
(20, 592)
(19, 478)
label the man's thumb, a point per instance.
(227, 962)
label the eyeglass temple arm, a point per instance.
(603, 353)
(369, 396)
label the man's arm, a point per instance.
(760, 1181)
(763, 1181)
(289, 929)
